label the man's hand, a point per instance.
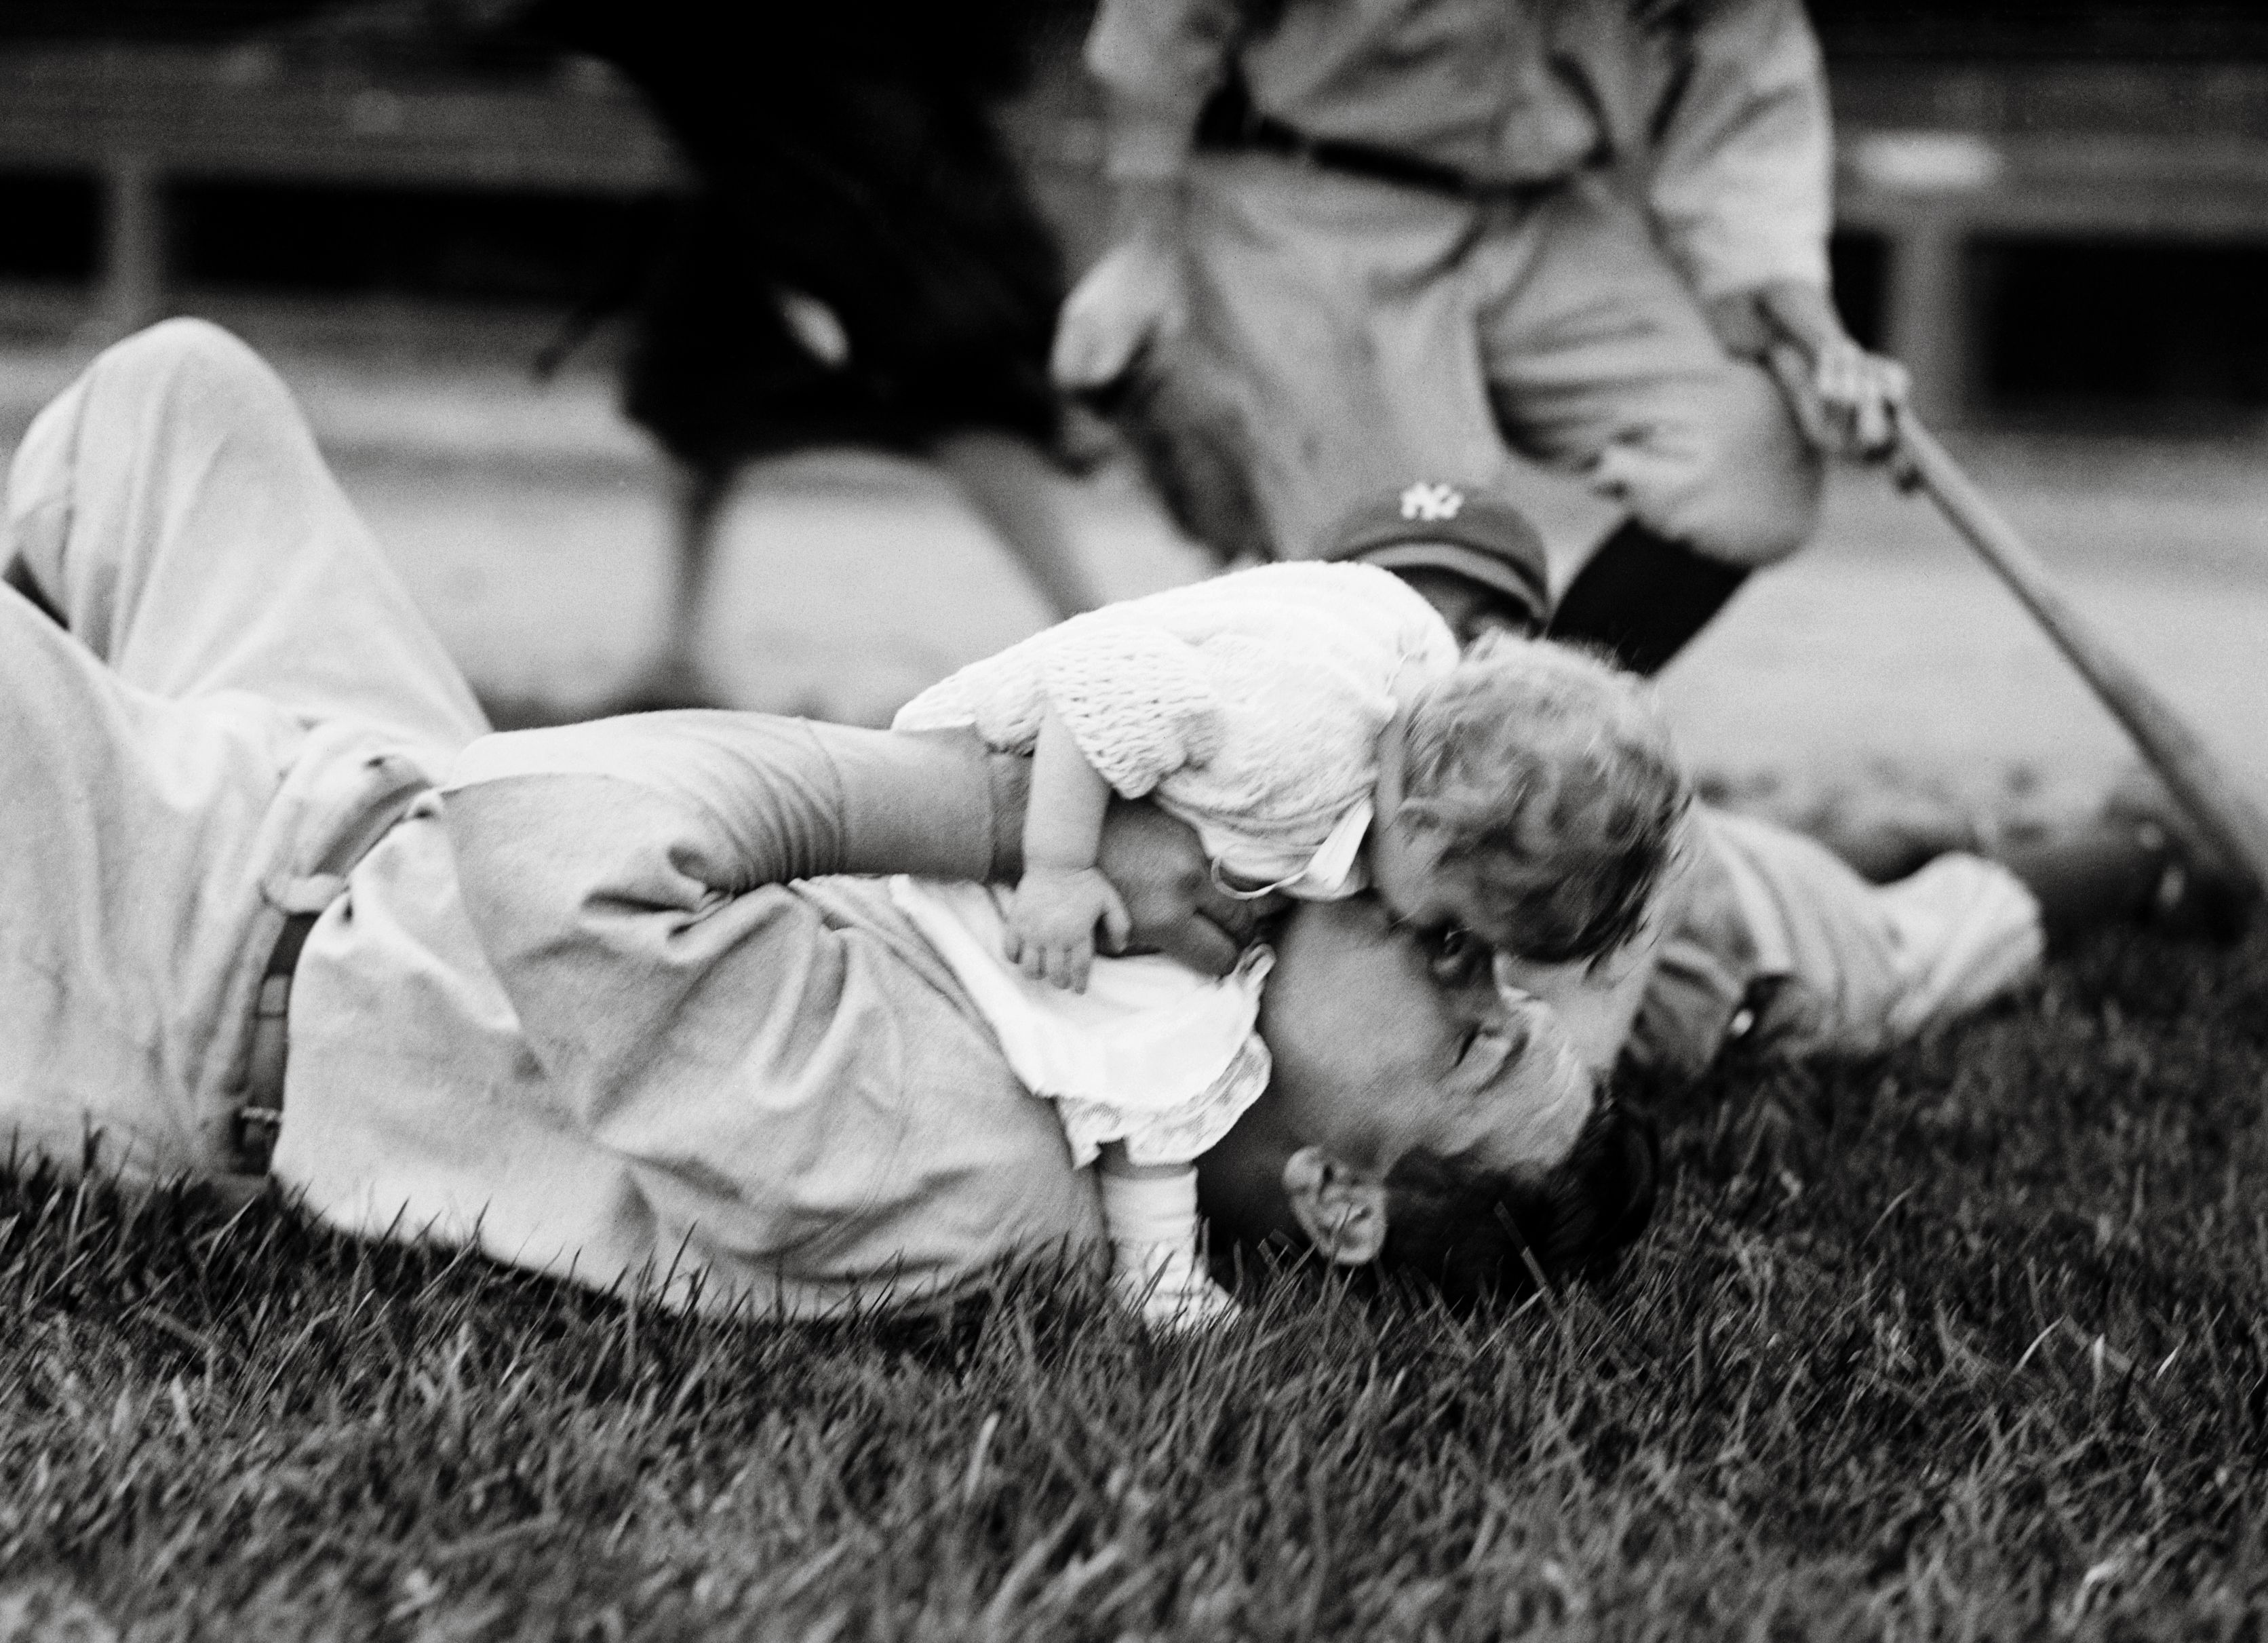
(1051, 924)
(1129, 303)
(1176, 908)
(1846, 399)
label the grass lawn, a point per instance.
(1968, 1342)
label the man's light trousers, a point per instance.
(241, 693)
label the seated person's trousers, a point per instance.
(1348, 336)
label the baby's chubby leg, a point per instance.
(1150, 1212)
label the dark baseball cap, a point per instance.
(1434, 526)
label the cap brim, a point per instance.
(1469, 563)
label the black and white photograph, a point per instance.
(1121, 821)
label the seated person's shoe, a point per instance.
(1170, 1287)
(2200, 894)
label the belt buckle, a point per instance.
(256, 1129)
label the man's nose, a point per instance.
(1517, 1016)
(1481, 1003)
(1555, 984)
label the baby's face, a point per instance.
(1424, 892)
(1441, 905)
(1400, 868)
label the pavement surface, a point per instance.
(537, 530)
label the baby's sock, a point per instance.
(1155, 1266)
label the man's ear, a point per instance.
(1341, 1209)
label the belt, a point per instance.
(1271, 135)
(262, 1115)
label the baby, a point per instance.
(1317, 727)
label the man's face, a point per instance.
(1386, 1040)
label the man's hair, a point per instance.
(1550, 778)
(1473, 1233)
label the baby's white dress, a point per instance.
(1249, 706)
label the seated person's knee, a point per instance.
(1745, 487)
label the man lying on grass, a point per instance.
(592, 999)
(595, 1001)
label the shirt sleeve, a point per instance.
(1158, 61)
(605, 867)
(1139, 700)
(1742, 176)
(735, 800)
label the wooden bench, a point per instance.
(1933, 158)
(135, 118)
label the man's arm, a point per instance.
(734, 800)
(664, 816)
(1743, 172)
(613, 872)
(1157, 61)
(1741, 186)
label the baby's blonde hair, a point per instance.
(1550, 778)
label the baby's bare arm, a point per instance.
(1063, 821)
(1062, 895)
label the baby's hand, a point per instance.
(1051, 924)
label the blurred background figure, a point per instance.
(858, 261)
(2056, 217)
(1402, 237)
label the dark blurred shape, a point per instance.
(181, 22)
(54, 226)
(1860, 265)
(2105, 322)
(846, 153)
(455, 245)
(2214, 30)
(858, 261)
(396, 37)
